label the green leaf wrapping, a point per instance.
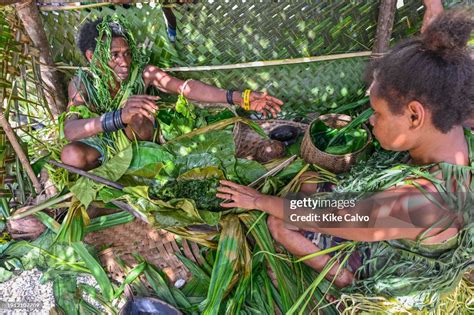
(86, 190)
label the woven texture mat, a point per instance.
(158, 247)
(304, 88)
(218, 32)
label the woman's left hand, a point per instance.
(239, 196)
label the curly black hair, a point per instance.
(87, 38)
(434, 68)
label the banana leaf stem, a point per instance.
(26, 211)
(93, 177)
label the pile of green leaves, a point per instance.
(339, 141)
(185, 117)
(202, 191)
(177, 121)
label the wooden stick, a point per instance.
(19, 152)
(384, 27)
(122, 205)
(73, 7)
(258, 64)
(255, 64)
(31, 19)
(93, 177)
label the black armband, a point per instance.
(112, 121)
(229, 95)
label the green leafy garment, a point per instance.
(418, 274)
(100, 77)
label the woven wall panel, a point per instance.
(233, 32)
(304, 88)
(220, 32)
(227, 32)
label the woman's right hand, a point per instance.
(140, 105)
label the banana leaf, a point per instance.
(232, 248)
(86, 190)
(173, 213)
(148, 159)
(248, 170)
(219, 144)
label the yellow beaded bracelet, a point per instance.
(246, 98)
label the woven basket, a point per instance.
(247, 141)
(333, 163)
(158, 247)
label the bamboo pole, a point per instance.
(68, 7)
(31, 19)
(19, 152)
(258, 64)
(385, 21)
(244, 65)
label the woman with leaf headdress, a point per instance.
(110, 97)
(419, 240)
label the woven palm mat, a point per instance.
(157, 247)
(305, 87)
(210, 33)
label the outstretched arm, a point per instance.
(392, 215)
(201, 92)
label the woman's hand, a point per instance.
(263, 103)
(140, 105)
(239, 196)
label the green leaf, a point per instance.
(248, 170)
(64, 291)
(219, 144)
(82, 111)
(256, 127)
(202, 173)
(171, 295)
(5, 274)
(184, 107)
(148, 157)
(183, 164)
(86, 190)
(131, 276)
(107, 194)
(96, 270)
(225, 114)
(231, 243)
(175, 212)
(107, 221)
